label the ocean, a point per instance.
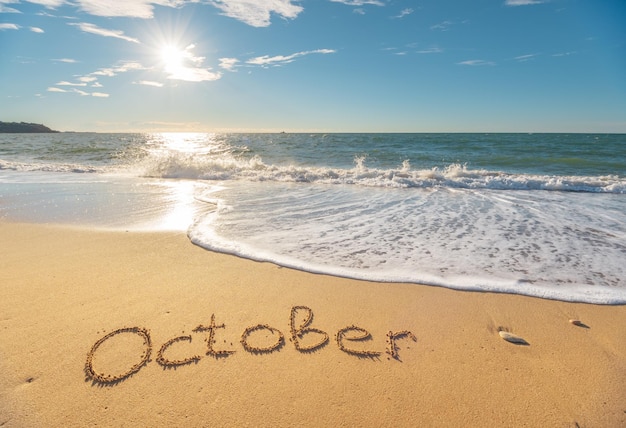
(541, 215)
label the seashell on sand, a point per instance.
(578, 323)
(509, 337)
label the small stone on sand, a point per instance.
(509, 337)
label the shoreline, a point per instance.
(64, 289)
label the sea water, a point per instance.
(536, 214)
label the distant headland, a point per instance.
(23, 127)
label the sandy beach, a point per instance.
(145, 329)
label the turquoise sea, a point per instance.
(536, 214)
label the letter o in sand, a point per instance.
(104, 378)
(248, 331)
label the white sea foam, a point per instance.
(47, 167)
(190, 166)
(541, 244)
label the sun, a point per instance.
(173, 58)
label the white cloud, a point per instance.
(79, 92)
(359, 2)
(475, 62)
(36, 30)
(257, 13)
(229, 64)
(443, 26)
(65, 83)
(404, 13)
(87, 79)
(430, 50)
(48, 3)
(7, 26)
(523, 58)
(6, 9)
(94, 29)
(122, 68)
(66, 60)
(522, 2)
(149, 83)
(564, 54)
(127, 8)
(91, 79)
(282, 59)
(191, 74)
(108, 72)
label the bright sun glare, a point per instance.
(172, 57)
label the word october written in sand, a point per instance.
(263, 332)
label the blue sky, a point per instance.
(315, 65)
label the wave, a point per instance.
(177, 165)
(453, 176)
(48, 167)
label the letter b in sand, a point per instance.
(298, 333)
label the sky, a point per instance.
(315, 65)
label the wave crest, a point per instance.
(181, 166)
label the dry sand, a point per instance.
(63, 290)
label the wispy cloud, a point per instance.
(430, 50)
(476, 62)
(267, 60)
(66, 60)
(149, 83)
(257, 13)
(442, 26)
(36, 30)
(524, 58)
(79, 92)
(7, 26)
(564, 54)
(122, 67)
(94, 29)
(359, 2)
(66, 83)
(7, 9)
(87, 79)
(127, 8)
(522, 2)
(86, 94)
(404, 12)
(49, 3)
(229, 64)
(91, 79)
(50, 15)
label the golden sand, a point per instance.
(146, 329)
